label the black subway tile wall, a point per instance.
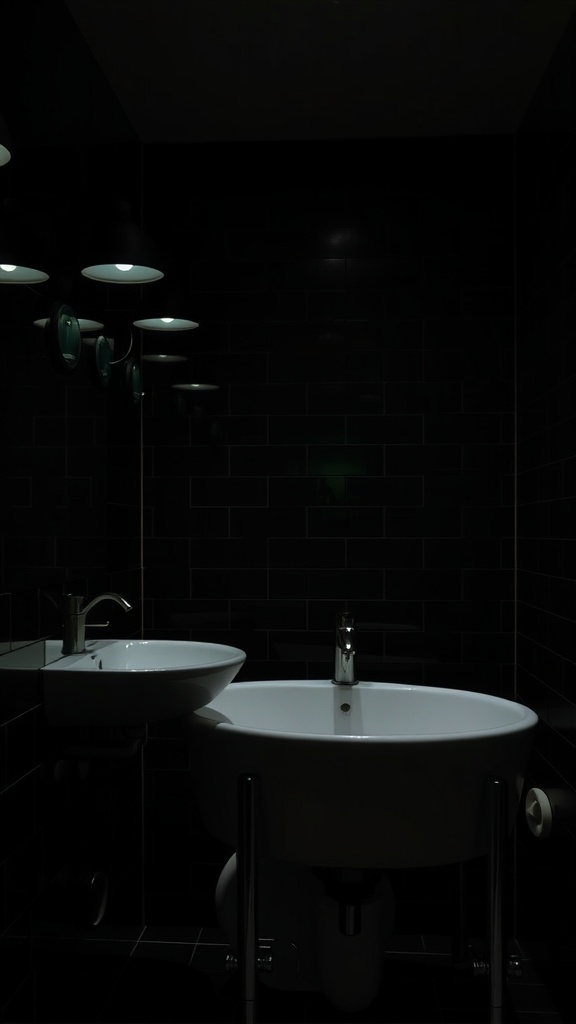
(546, 588)
(358, 321)
(364, 318)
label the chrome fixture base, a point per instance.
(344, 654)
(264, 960)
(74, 626)
(481, 968)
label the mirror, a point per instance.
(100, 366)
(133, 381)
(63, 338)
(70, 496)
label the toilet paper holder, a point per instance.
(545, 808)
(538, 810)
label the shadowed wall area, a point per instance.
(388, 327)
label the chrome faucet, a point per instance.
(344, 660)
(75, 619)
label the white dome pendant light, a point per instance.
(16, 252)
(166, 299)
(164, 310)
(166, 323)
(126, 255)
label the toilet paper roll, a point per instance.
(538, 813)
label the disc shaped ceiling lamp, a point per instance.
(123, 254)
(164, 310)
(17, 247)
(165, 323)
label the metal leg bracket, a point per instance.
(264, 959)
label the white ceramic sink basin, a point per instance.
(128, 682)
(376, 775)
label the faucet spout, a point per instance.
(108, 597)
(74, 639)
(344, 656)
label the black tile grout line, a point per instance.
(195, 948)
(422, 955)
(422, 951)
(172, 942)
(199, 942)
(411, 951)
(193, 943)
(110, 995)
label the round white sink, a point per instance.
(376, 775)
(128, 682)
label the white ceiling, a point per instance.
(217, 70)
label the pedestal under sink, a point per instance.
(129, 682)
(376, 775)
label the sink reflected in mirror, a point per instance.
(128, 682)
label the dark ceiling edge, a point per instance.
(63, 98)
(550, 108)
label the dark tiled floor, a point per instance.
(161, 975)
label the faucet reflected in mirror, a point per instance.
(74, 636)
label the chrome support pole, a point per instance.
(460, 938)
(496, 853)
(247, 879)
